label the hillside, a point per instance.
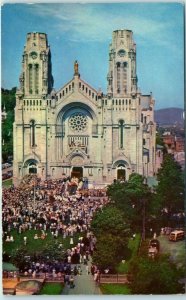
(169, 116)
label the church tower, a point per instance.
(36, 77)
(35, 99)
(122, 79)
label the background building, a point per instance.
(78, 131)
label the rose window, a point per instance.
(78, 122)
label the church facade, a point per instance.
(78, 131)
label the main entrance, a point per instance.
(77, 172)
(121, 174)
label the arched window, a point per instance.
(125, 77)
(118, 77)
(30, 78)
(32, 133)
(36, 69)
(121, 125)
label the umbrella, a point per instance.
(9, 267)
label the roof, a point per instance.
(145, 101)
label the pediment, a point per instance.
(77, 89)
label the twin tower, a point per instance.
(78, 131)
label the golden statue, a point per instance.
(76, 68)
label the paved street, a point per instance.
(84, 285)
(4, 171)
(176, 249)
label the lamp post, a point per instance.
(143, 220)
(144, 212)
(34, 198)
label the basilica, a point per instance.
(78, 131)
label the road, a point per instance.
(6, 170)
(84, 284)
(175, 249)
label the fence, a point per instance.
(49, 277)
(113, 278)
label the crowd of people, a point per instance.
(52, 207)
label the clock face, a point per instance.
(121, 52)
(33, 55)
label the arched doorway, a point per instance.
(32, 168)
(77, 172)
(121, 172)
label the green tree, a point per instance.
(19, 259)
(111, 231)
(170, 189)
(155, 276)
(8, 100)
(110, 250)
(134, 199)
(109, 219)
(52, 251)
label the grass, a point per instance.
(34, 246)
(114, 289)
(133, 245)
(51, 288)
(7, 183)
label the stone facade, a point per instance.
(78, 131)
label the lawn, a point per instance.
(7, 183)
(51, 288)
(34, 246)
(114, 289)
(133, 245)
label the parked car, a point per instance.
(154, 248)
(10, 173)
(155, 244)
(176, 235)
(5, 176)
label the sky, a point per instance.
(83, 32)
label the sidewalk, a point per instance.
(84, 285)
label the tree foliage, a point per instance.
(109, 219)
(19, 259)
(131, 197)
(170, 189)
(110, 250)
(112, 234)
(155, 276)
(8, 100)
(52, 251)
